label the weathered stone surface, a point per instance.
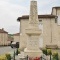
(33, 32)
(33, 17)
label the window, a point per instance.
(55, 19)
(41, 27)
(40, 20)
(58, 20)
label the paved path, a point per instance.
(4, 50)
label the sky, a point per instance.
(10, 10)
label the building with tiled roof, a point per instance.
(3, 31)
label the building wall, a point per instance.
(50, 31)
(16, 38)
(3, 39)
(56, 11)
(56, 31)
(23, 37)
(46, 34)
(46, 31)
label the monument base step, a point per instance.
(33, 53)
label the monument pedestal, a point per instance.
(32, 48)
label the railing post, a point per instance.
(14, 55)
(27, 57)
(50, 56)
(41, 57)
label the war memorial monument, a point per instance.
(33, 32)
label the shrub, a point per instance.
(2, 57)
(49, 52)
(44, 51)
(8, 56)
(17, 51)
(55, 56)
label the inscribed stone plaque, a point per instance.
(33, 43)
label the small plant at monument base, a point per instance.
(17, 51)
(55, 56)
(49, 52)
(44, 51)
(8, 56)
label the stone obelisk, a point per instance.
(33, 32)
